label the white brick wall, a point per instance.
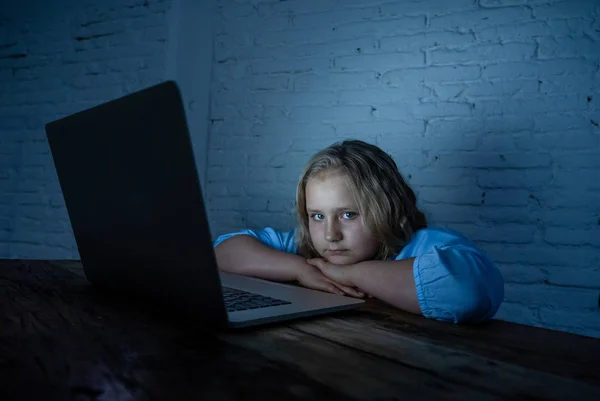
(57, 58)
(489, 107)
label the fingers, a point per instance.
(332, 288)
(348, 290)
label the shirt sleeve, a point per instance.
(458, 283)
(268, 236)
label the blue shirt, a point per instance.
(455, 281)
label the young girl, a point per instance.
(360, 232)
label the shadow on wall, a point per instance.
(515, 187)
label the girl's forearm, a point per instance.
(244, 254)
(391, 281)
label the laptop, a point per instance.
(129, 180)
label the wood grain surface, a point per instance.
(63, 339)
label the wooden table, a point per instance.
(62, 338)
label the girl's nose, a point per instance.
(332, 233)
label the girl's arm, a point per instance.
(391, 281)
(454, 283)
(246, 255)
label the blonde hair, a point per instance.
(385, 201)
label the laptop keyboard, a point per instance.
(237, 300)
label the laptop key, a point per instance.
(237, 300)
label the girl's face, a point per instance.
(336, 229)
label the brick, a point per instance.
(334, 48)
(288, 160)
(552, 48)
(517, 313)
(445, 143)
(569, 140)
(565, 9)
(567, 275)
(431, 74)
(241, 204)
(278, 189)
(381, 95)
(587, 160)
(447, 126)
(546, 295)
(216, 174)
(296, 37)
(381, 28)
(588, 178)
(545, 256)
(335, 18)
(149, 34)
(525, 31)
(311, 146)
(533, 104)
(151, 19)
(422, 110)
(393, 142)
(108, 27)
(506, 197)
(511, 3)
(224, 158)
(442, 178)
(281, 205)
(458, 195)
(487, 89)
(574, 236)
(509, 233)
(268, 174)
(278, 136)
(372, 129)
(581, 198)
(568, 218)
(566, 84)
(506, 214)
(336, 80)
(271, 24)
(518, 179)
(227, 218)
(291, 66)
(477, 54)
(501, 125)
(584, 322)
(424, 41)
(406, 158)
(216, 189)
(331, 114)
(451, 213)
(489, 160)
(378, 62)
(480, 19)
(241, 10)
(436, 7)
(541, 70)
(586, 26)
(560, 122)
(293, 99)
(521, 274)
(295, 7)
(279, 221)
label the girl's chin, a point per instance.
(339, 259)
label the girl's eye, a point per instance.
(317, 216)
(349, 215)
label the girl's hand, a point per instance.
(338, 273)
(312, 277)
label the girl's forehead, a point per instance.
(329, 191)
